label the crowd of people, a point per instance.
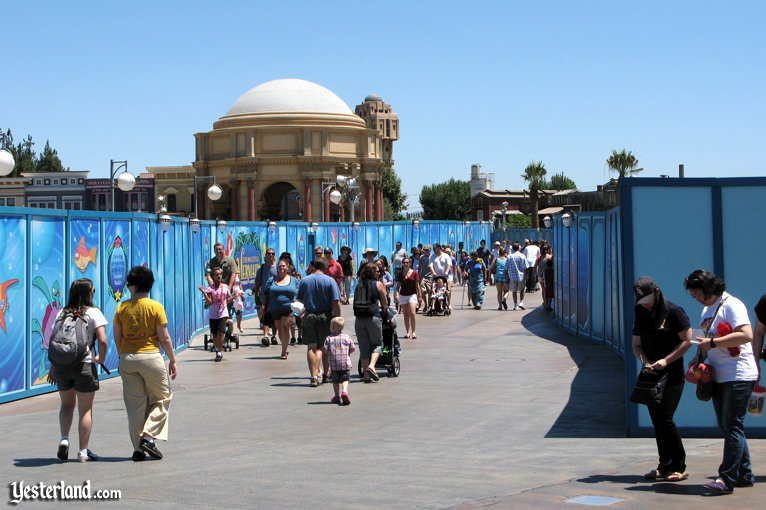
(421, 280)
(662, 333)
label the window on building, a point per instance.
(55, 181)
(101, 202)
(144, 204)
(2, 201)
(172, 203)
(67, 205)
(134, 202)
(72, 181)
(77, 206)
(38, 181)
(33, 205)
(10, 202)
(480, 215)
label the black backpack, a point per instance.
(69, 341)
(366, 298)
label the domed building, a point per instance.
(278, 151)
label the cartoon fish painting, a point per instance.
(229, 245)
(334, 236)
(83, 256)
(4, 301)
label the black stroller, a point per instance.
(229, 338)
(440, 305)
(389, 359)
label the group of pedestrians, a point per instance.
(662, 333)
(140, 329)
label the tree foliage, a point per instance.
(518, 221)
(27, 161)
(449, 200)
(395, 201)
(534, 174)
(560, 182)
(624, 163)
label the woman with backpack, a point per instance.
(78, 382)
(369, 302)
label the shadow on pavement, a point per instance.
(596, 405)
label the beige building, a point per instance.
(277, 153)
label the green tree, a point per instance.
(518, 221)
(449, 200)
(624, 163)
(49, 161)
(394, 200)
(25, 157)
(560, 182)
(534, 174)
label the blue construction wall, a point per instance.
(665, 228)
(43, 251)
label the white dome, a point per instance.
(288, 96)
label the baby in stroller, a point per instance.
(438, 301)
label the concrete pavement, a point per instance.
(493, 410)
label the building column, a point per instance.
(368, 203)
(234, 200)
(379, 202)
(251, 201)
(307, 200)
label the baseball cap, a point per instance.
(644, 289)
(328, 250)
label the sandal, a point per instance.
(676, 476)
(654, 474)
(284, 355)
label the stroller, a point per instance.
(389, 358)
(229, 338)
(439, 304)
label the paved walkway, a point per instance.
(493, 410)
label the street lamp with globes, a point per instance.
(214, 192)
(126, 181)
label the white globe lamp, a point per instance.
(7, 163)
(126, 181)
(335, 196)
(214, 192)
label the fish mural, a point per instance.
(4, 301)
(117, 269)
(301, 253)
(229, 246)
(83, 256)
(53, 296)
(334, 236)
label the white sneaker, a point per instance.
(521, 306)
(87, 456)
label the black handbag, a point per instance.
(649, 387)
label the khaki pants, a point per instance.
(147, 394)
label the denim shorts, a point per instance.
(339, 376)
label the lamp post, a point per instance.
(126, 181)
(214, 192)
(348, 188)
(7, 163)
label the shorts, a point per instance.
(218, 325)
(517, 286)
(500, 279)
(403, 300)
(82, 377)
(316, 328)
(276, 315)
(339, 376)
(369, 334)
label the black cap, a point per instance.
(643, 287)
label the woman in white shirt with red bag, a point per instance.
(728, 342)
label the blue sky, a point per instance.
(499, 83)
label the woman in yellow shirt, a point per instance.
(140, 327)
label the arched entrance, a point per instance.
(281, 203)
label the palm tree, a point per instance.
(624, 163)
(534, 174)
